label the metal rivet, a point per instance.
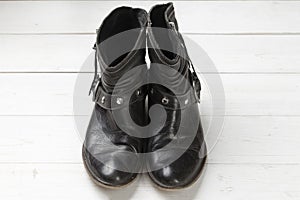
(172, 136)
(151, 90)
(138, 92)
(103, 99)
(165, 100)
(186, 101)
(120, 100)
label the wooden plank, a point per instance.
(55, 53)
(37, 181)
(258, 139)
(203, 16)
(244, 140)
(37, 94)
(231, 54)
(39, 139)
(249, 54)
(52, 94)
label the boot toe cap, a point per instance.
(180, 174)
(107, 174)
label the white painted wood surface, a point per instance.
(244, 140)
(255, 46)
(194, 17)
(230, 53)
(246, 94)
(40, 181)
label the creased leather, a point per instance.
(185, 170)
(106, 147)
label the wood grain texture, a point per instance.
(51, 181)
(230, 54)
(244, 140)
(212, 16)
(255, 46)
(246, 94)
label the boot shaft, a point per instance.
(167, 50)
(120, 46)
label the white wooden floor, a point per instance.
(254, 44)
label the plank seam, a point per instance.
(184, 33)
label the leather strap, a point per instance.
(196, 85)
(116, 101)
(173, 24)
(173, 102)
(97, 77)
(110, 101)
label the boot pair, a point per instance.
(121, 140)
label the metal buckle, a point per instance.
(97, 77)
(94, 87)
(196, 86)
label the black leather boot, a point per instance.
(180, 164)
(110, 154)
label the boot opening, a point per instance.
(120, 20)
(162, 36)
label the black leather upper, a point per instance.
(110, 154)
(182, 108)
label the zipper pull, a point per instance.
(172, 24)
(149, 23)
